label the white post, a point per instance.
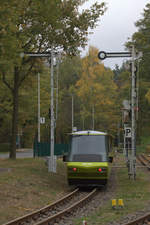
(133, 104)
(57, 83)
(83, 123)
(52, 166)
(38, 107)
(72, 112)
(57, 68)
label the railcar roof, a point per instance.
(88, 132)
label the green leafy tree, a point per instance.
(141, 41)
(37, 26)
(69, 74)
(97, 90)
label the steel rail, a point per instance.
(145, 158)
(144, 161)
(67, 210)
(141, 220)
(145, 219)
(42, 210)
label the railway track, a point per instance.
(55, 212)
(59, 211)
(145, 219)
(144, 160)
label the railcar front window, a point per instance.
(89, 148)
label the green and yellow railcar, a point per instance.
(88, 159)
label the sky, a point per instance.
(115, 27)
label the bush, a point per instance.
(4, 147)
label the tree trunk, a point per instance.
(15, 114)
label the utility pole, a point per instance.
(133, 106)
(38, 107)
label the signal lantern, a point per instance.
(99, 170)
(74, 169)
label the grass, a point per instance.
(28, 186)
(145, 142)
(135, 195)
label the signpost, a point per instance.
(129, 132)
(50, 56)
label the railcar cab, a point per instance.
(89, 146)
(88, 158)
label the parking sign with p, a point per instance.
(128, 132)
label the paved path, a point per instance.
(22, 153)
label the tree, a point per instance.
(141, 41)
(70, 70)
(37, 26)
(92, 88)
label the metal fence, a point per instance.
(43, 149)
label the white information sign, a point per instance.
(128, 133)
(42, 120)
